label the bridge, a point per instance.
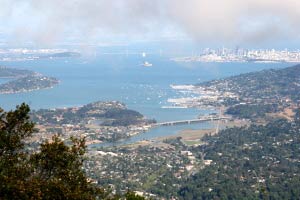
(191, 121)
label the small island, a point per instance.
(66, 54)
(24, 81)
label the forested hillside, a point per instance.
(259, 162)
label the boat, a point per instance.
(147, 64)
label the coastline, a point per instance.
(27, 91)
(190, 137)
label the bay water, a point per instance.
(124, 78)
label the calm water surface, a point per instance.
(123, 78)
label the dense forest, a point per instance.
(256, 162)
(252, 111)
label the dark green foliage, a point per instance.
(230, 101)
(110, 113)
(259, 162)
(14, 126)
(133, 196)
(57, 168)
(251, 111)
(54, 172)
(176, 142)
(297, 116)
(122, 117)
(120, 114)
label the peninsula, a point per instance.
(251, 95)
(98, 122)
(24, 81)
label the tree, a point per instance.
(14, 168)
(132, 196)
(58, 171)
(297, 116)
(54, 172)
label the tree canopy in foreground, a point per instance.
(53, 172)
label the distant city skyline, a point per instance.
(243, 55)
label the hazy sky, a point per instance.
(232, 22)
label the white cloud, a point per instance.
(216, 20)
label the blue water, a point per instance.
(122, 78)
(4, 80)
(157, 133)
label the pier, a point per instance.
(191, 121)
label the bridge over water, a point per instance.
(191, 121)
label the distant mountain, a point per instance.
(62, 55)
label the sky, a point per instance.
(257, 23)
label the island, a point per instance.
(23, 54)
(24, 81)
(66, 54)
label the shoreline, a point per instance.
(27, 91)
(190, 137)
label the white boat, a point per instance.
(147, 64)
